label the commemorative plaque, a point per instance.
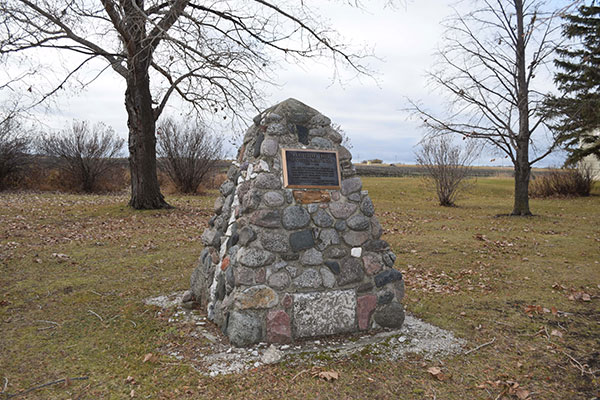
(310, 169)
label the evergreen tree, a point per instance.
(577, 110)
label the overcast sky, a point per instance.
(371, 112)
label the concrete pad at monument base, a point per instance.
(294, 250)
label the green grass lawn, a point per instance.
(75, 269)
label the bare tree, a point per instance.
(189, 153)
(446, 165)
(85, 153)
(346, 141)
(211, 54)
(488, 67)
(14, 146)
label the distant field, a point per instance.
(75, 270)
(399, 170)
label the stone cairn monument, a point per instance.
(294, 250)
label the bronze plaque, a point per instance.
(310, 169)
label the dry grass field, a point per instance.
(75, 269)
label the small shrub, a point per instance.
(188, 153)
(571, 182)
(14, 145)
(446, 166)
(84, 154)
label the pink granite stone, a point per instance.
(364, 308)
(278, 327)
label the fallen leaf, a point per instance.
(554, 311)
(328, 375)
(437, 373)
(522, 394)
(586, 297)
(132, 393)
(130, 379)
(556, 332)
(148, 357)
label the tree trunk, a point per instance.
(145, 191)
(522, 166)
(522, 173)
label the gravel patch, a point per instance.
(218, 357)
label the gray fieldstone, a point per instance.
(329, 237)
(279, 280)
(257, 144)
(344, 154)
(269, 147)
(272, 117)
(254, 258)
(335, 252)
(319, 120)
(365, 287)
(293, 271)
(266, 218)
(334, 136)
(321, 143)
(274, 241)
(312, 208)
(232, 173)
(295, 217)
(251, 200)
(276, 129)
(267, 181)
(227, 188)
(289, 196)
(310, 278)
(342, 210)
(322, 219)
(358, 223)
(376, 229)
(387, 276)
(355, 238)
(273, 199)
(246, 235)
(351, 271)
(388, 259)
(334, 266)
(390, 315)
(327, 277)
(260, 296)
(340, 225)
(399, 289)
(377, 245)
(385, 297)
(219, 204)
(243, 275)
(290, 256)
(211, 237)
(355, 197)
(244, 328)
(302, 240)
(351, 185)
(312, 257)
(367, 207)
(317, 314)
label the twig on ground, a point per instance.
(96, 293)
(99, 317)
(480, 346)
(5, 384)
(80, 378)
(579, 366)
(299, 373)
(134, 324)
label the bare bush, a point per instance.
(187, 153)
(85, 153)
(570, 182)
(14, 146)
(446, 165)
